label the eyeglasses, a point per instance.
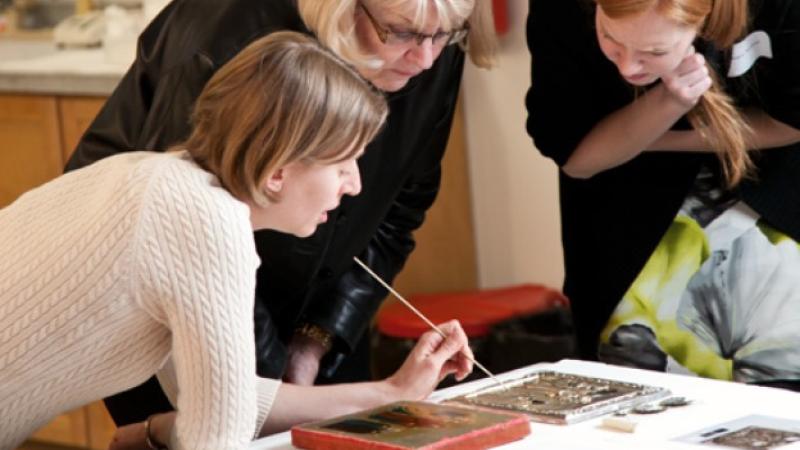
(391, 37)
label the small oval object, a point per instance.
(621, 412)
(648, 408)
(675, 402)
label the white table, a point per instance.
(713, 402)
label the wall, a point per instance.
(514, 188)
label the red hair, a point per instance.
(715, 117)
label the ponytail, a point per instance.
(715, 117)
(726, 23)
(725, 130)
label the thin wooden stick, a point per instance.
(425, 319)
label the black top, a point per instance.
(311, 279)
(612, 222)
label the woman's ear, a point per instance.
(275, 180)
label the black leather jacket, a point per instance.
(311, 279)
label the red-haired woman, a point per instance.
(675, 124)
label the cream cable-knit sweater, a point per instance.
(107, 272)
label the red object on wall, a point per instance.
(500, 11)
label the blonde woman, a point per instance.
(311, 299)
(676, 124)
(155, 266)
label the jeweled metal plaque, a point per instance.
(560, 398)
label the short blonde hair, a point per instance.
(333, 22)
(284, 98)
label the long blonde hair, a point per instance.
(333, 22)
(284, 98)
(715, 117)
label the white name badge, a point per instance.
(747, 51)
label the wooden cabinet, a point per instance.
(88, 427)
(76, 114)
(36, 135)
(68, 429)
(101, 428)
(30, 144)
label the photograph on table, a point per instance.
(753, 432)
(414, 425)
(561, 398)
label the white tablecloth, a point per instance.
(714, 402)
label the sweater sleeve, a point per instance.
(266, 391)
(196, 266)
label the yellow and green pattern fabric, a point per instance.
(719, 299)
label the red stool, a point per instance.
(478, 311)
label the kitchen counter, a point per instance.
(38, 67)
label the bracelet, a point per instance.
(152, 444)
(316, 333)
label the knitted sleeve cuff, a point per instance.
(266, 391)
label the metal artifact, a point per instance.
(561, 398)
(649, 408)
(674, 402)
(756, 438)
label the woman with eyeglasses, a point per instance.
(676, 124)
(311, 299)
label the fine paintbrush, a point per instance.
(425, 319)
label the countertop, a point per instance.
(37, 66)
